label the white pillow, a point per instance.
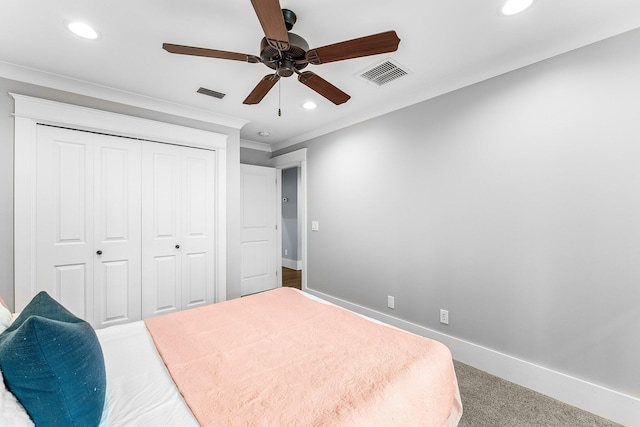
(12, 414)
(5, 317)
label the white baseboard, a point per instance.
(607, 403)
(292, 264)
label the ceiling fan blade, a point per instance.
(323, 87)
(209, 53)
(272, 21)
(355, 48)
(261, 89)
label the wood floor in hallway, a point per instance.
(291, 278)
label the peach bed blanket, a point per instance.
(281, 359)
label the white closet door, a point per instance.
(198, 228)
(178, 202)
(76, 172)
(117, 234)
(64, 218)
(161, 266)
(258, 209)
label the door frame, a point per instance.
(294, 159)
(29, 112)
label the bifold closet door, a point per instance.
(178, 202)
(88, 223)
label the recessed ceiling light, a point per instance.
(83, 30)
(264, 133)
(309, 105)
(512, 7)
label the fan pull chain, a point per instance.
(279, 92)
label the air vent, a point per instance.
(205, 91)
(384, 72)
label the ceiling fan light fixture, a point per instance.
(513, 7)
(83, 30)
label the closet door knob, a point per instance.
(99, 252)
(177, 246)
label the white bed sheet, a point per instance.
(140, 391)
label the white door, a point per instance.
(198, 238)
(260, 253)
(88, 223)
(178, 202)
(116, 207)
(161, 267)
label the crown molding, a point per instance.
(252, 145)
(80, 87)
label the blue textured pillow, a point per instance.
(52, 362)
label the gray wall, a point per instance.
(6, 174)
(290, 214)
(513, 203)
(255, 157)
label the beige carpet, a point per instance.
(489, 401)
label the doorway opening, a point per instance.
(294, 217)
(291, 241)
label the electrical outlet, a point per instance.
(444, 317)
(286, 251)
(391, 302)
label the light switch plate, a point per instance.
(315, 226)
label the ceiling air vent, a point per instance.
(205, 91)
(384, 72)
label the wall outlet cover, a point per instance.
(444, 317)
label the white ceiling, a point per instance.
(446, 44)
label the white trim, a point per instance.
(30, 111)
(252, 145)
(298, 158)
(607, 403)
(60, 114)
(279, 226)
(221, 227)
(290, 160)
(59, 82)
(292, 264)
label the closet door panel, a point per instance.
(165, 280)
(194, 280)
(113, 304)
(161, 263)
(117, 230)
(64, 218)
(198, 239)
(70, 284)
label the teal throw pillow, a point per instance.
(53, 363)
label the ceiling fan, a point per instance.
(288, 53)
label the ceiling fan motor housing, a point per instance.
(291, 60)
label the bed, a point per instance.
(277, 358)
